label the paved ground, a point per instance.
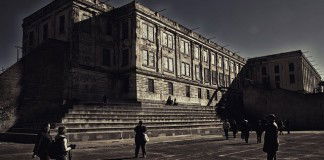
(301, 146)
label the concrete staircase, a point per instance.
(93, 122)
(117, 121)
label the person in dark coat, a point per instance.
(280, 127)
(259, 131)
(169, 101)
(42, 143)
(140, 141)
(226, 127)
(245, 130)
(271, 142)
(234, 128)
(63, 148)
(287, 124)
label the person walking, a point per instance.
(140, 141)
(234, 128)
(287, 124)
(246, 130)
(61, 145)
(226, 127)
(271, 142)
(41, 148)
(259, 131)
(280, 127)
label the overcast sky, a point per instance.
(251, 27)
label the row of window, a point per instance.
(151, 89)
(291, 68)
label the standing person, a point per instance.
(287, 124)
(61, 144)
(280, 127)
(234, 128)
(226, 127)
(271, 142)
(42, 143)
(140, 141)
(246, 130)
(259, 131)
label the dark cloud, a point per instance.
(251, 27)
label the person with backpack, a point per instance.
(60, 146)
(41, 148)
(140, 139)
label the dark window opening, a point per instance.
(208, 94)
(187, 91)
(45, 31)
(109, 28)
(292, 79)
(125, 58)
(277, 85)
(125, 30)
(170, 87)
(151, 85)
(106, 57)
(276, 69)
(264, 71)
(291, 67)
(199, 93)
(62, 25)
(214, 77)
(207, 75)
(277, 78)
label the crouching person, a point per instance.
(60, 145)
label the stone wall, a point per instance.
(304, 111)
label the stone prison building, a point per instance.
(78, 54)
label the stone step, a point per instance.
(138, 112)
(126, 119)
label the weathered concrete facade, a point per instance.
(290, 70)
(131, 53)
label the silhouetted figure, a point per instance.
(259, 131)
(41, 148)
(271, 142)
(287, 124)
(169, 101)
(61, 145)
(140, 142)
(280, 127)
(175, 103)
(226, 127)
(245, 131)
(104, 99)
(234, 128)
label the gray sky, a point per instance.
(251, 27)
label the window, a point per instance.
(170, 87)
(213, 60)
(226, 63)
(148, 58)
(31, 38)
(276, 68)
(125, 58)
(168, 64)
(220, 61)
(264, 71)
(45, 31)
(125, 30)
(221, 79)
(187, 91)
(199, 93)
(292, 78)
(231, 66)
(108, 28)
(148, 32)
(207, 75)
(185, 69)
(291, 67)
(205, 56)
(197, 72)
(62, 24)
(106, 57)
(214, 77)
(167, 40)
(196, 52)
(184, 47)
(151, 85)
(277, 78)
(208, 94)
